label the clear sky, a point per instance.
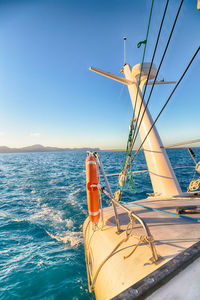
(47, 93)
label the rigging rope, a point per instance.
(145, 88)
(172, 30)
(131, 133)
(144, 51)
(145, 46)
(137, 127)
(164, 106)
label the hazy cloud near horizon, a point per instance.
(36, 134)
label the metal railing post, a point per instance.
(109, 191)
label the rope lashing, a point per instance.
(141, 240)
(194, 185)
(131, 183)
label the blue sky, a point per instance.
(49, 96)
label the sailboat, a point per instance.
(148, 248)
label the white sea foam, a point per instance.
(72, 194)
(47, 213)
(40, 262)
(52, 181)
(69, 223)
(18, 220)
(74, 200)
(72, 238)
(63, 188)
(4, 215)
(38, 201)
(12, 219)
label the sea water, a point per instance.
(42, 209)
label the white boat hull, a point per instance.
(184, 285)
(137, 276)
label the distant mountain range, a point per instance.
(40, 148)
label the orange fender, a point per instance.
(92, 188)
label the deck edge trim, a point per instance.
(146, 286)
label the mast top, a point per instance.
(145, 70)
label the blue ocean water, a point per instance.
(42, 209)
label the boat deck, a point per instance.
(174, 232)
(173, 235)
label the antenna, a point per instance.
(124, 50)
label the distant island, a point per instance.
(40, 148)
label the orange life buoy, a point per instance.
(92, 188)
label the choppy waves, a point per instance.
(42, 209)
(41, 236)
